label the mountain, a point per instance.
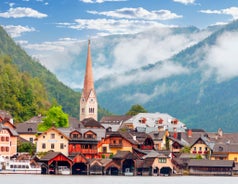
(198, 85)
(56, 91)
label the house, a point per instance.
(8, 141)
(202, 146)
(114, 122)
(211, 167)
(159, 139)
(85, 137)
(52, 140)
(28, 130)
(150, 122)
(154, 163)
(52, 161)
(97, 166)
(124, 141)
(225, 151)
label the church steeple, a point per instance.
(88, 101)
(88, 78)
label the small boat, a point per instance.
(19, 167)
(64, 170)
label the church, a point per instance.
(88, 104)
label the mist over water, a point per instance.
(52, 179)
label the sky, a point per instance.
(45, 28)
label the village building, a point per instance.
(8, 135)
(52, 140)
(88, 101)
(28, 130)
(85, 138)
(150, 122)
(114, 122)
(124, 141)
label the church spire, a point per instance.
(88, 101)
(88, 78)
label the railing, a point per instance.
(144, 147)
(115, 145)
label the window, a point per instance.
(7, 149)
(162, 160)
(194, 148)
(200, 148)
(31, 139)
(43, 146)
(104, 149)
(83, 110)
(62, 137)
(61, 145)
(52, 146)
(2, 139)
(7, 138)
(29, 130)
(52, 136)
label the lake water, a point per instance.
(52, 179)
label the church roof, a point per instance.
(88, 78)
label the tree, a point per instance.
(136, 109)
(55, 118)
(26, 147)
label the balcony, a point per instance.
(146, 147)
(119, 145)
(89, 151)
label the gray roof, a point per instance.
(210, 163)
(151, 122)
(225, 148)
(12, 131)
(30, 126)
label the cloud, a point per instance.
(101, 1)
(138, 13)
(161, 71)
(185, 1)
(143, 98)
(113, 26)
(16, 31)
(21, 12)
(222, 57)
(232, 11)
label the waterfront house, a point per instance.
(154, 163)
(52, 140)
(84, 138)
(211, 167)
(225, 151)
(97, 166)
(8, 140)
(124, 141)
(53, 161)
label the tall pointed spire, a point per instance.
(88, 101)
(88, 78)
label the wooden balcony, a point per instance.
(116, 145)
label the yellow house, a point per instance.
(201, 147)
(113, 143)
(225, 151)
(52, 140)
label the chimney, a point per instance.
(190, 133)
